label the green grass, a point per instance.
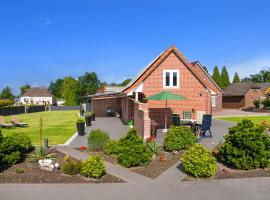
(254, 119)
(58, 126)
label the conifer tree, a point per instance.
(236, 78)
(225, 79)
(216, 76)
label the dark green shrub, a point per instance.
(20, 141)
(19, 170)
(266, 103)
(97, 139)
(199, 162)
(71, 167)
(256, 103)
(93, 167)
(246, 149)
(178, 138)
(12, 158)
(132, 151)
(111, 147)
(80, 120)
(244, 124)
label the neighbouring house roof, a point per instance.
(205, 74)
(264, 86)
(155, 63)
(37, 92)
(240, 89)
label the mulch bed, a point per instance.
(33, 174)
(225, 172)
(153, 170)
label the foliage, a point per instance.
(216, 76)
(24, 88)
(11, 158)
(80, 120)
(225, 79)
(19, 170)
(266, 103)
(152, 145)
(88, 114)
(70, 91)
(125, 82)
(20, 142)
(97, 139)
(93, 167)
(247, 148)
(244, 124)
(111, 147)
(88, 84)
(199, 162)
(132, 151)
(56, 88)
(6, 102)
(71, 167)
(178, 137)
(236, 78)
(261, 77)
(256, 103)
(6, 93)
(40, 154)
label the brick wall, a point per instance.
(101, 105)
(218, 102)
(127, 108)
(190, 87)
(142, 122)
(251, 95)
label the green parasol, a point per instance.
(165, 96)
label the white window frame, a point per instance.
(171, 71)
(213, 101)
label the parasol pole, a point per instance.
(165, 129)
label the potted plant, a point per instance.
(130, 123)
(88, 118)
(93, 117)
(80, 126)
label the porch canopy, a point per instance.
(165, 96)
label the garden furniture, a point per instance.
(15, 121)
(3, 124)
(204, 126)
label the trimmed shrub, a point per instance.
(256, 103)
(244, 124)
(111, 147)
(266, 103)
(199, 162)
(71, 167)
(20, 141)
(132, 151)
(93, 167)
(97, 139)
(178, 138)
(246, 149)
(6, 102)
(12, 158)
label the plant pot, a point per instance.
(81, 129)
(93, 117)
(88, 120)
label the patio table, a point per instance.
(193, 123)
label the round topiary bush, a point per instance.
(178, 138)
(246, 149)
(20, 142)
(111, 147)
(93, 167)
(132, 151)
(199, 162)
(97, 139)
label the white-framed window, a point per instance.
(187, 115)
(171, 78)
(213, 101)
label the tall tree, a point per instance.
(70, 91)
(225, 79)
(56, 87)
(216, 76)
(125, 82)
(236, 78)
(24, 88)
(6, 93)
(88, 83)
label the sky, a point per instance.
(42, 40)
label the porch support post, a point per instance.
(136, 96)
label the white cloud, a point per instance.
(248, 67)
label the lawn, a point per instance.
(254, 119)
(58, 126)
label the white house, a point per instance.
(38, 96)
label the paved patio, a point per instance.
(236, 113)
(112, 125)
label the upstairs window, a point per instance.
(170, 78)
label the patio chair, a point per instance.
(3, 124)
(16, 122)
(176, 120)
(205, 126)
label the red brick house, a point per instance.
(170, 71)
(242, 95)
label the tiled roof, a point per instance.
(240, 89)
(37, 92)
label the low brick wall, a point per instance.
(142, 122)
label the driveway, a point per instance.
(236, 113)
(112, 125)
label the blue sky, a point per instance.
(42, 40)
